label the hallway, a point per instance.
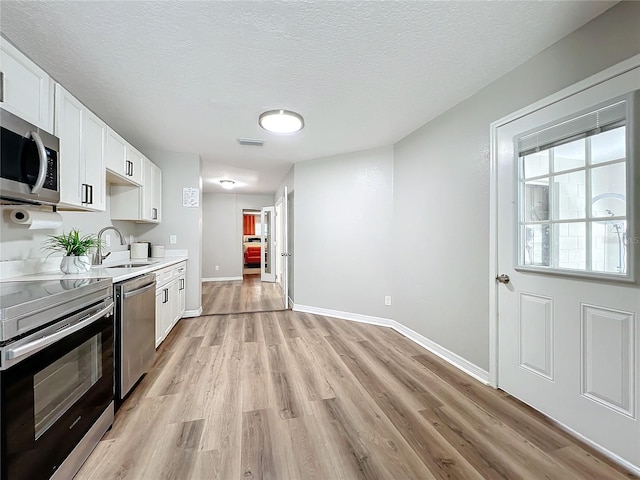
(248, 295)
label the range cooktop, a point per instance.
(30, 304)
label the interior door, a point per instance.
(567, 254)
(267, 267)
(284, 236)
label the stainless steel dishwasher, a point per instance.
(135, 330)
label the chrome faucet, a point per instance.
(97, 256)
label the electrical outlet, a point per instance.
(387, 300)
(107, 240)
(217, 267)
(173, 239)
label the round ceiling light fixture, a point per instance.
(281, 121)
(227, 184)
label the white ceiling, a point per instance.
(193, 76)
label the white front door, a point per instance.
(568, 243)
(267, 268)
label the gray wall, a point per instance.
(343, 214)
(441, 187)
(179, 170)
(222, 232)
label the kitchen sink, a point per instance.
(130, 265)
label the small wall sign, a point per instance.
(190, 197)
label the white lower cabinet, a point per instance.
(170, 298)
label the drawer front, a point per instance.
(163, 276)
(179, 270)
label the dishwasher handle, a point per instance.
(139, 291)
(32, 347)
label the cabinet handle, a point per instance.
(166, 295)
(182, 284)
(1, 86)
(131, 169)
(154, 213)
(83, 193)
(90, 187)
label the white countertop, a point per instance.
(108, 269)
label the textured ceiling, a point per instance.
(193, 76)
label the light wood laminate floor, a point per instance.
(286, 395)
(248, 295)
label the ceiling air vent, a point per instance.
(252, 142)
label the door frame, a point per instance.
(600, 77)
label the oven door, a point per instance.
(51, 399)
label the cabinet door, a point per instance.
(159, 316)
(116, 153)
(26, 90)
(151, 192)
(135, 167)
(68, 127)
(157, 192)
(182, 295)
(95, 136)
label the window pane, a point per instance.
(536, 164)
(536, 200)
(536, 245)
(608, 189)
(572, 245)
(607, 146)
(568, 156)
(570, 195)
(608, 247)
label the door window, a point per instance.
(573, 206)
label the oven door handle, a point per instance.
(42, 171)
(32, 347)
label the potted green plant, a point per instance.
(75, 248)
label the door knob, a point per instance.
(504, 278)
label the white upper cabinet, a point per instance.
(151, 192)
(140, 204)
(135, 159)
(122, 160)
(25, 89)
(82, 142)
(95, 139)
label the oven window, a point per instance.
(57, 387)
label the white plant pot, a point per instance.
(73, 264)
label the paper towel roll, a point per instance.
(36, 219)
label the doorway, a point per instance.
(566, 253)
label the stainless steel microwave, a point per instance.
(29, 162)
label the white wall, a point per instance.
(19, 243)
(179, 170)
(222, 232)
(343, 215)
(441, 187)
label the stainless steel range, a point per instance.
(56, 375)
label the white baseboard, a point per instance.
(221, 279)
(192, 313)
(454, 359)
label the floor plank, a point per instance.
(287, 395)
(241, 296)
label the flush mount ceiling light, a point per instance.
(227, 184)
(281, 121)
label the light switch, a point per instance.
(173, 239)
